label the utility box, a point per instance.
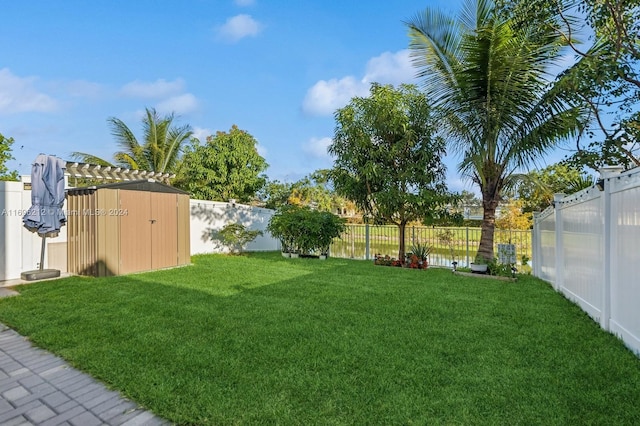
(127, 227)
(507, 253)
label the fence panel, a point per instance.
(625, 290)
(546, 257)
(449, 244)
(583, 252)
(595, 234)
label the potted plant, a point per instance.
(479, 265)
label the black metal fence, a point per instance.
(448, 244)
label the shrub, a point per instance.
(421, 251)
(236, 236)
(305, 231)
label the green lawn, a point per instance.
(262, 339)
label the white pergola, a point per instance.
(108, 173)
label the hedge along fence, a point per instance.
(449, 243)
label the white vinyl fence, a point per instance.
(209, 217)
(587, 247)
(20, 249)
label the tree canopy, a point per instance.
(606, 78)
(487, 74)
(5, 155)
(159, 151)
(388, 159)
(227, 166)
(536, 191)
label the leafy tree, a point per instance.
(226, 167)
(275, 194)
(469, 199)
(606, 78)
(536, 191)
(159, 152)
(388, 159)
(486, 73)
(5, 155)
(512, 216)
(314, 191)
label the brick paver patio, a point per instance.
(38, 388)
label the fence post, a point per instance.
(536, 245)
(366, 242)
(604, 185)
(558, 283)
(467, 229)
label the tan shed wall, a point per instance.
(184, 230)
(57, 256)
(81, 238)
(108, 233)
(118, 231)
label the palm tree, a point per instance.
(487, 74)
(160, 151)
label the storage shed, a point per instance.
(127, 227)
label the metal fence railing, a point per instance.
(449, 243)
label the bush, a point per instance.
(305, 231)
(236, 236)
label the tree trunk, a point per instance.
(402, 226)
(489, 205)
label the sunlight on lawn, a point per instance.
(234, 275)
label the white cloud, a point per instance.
(180, 104)
(18, 94)
(324, 97)
(317, 148)
(239, 27)
(390, 68)
(158, 89)
(201, 134)
(262, 150)
(244, 3)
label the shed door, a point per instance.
(164, 230)
(149, 226)
(135, 228)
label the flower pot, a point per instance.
(295, 255)
(479, 268)
(286, 254)
(323, 257)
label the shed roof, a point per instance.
(148, 185)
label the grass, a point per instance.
(262, 339)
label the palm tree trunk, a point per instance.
(489, 206)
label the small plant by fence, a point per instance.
(449, 243)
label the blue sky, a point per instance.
(276, 69)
